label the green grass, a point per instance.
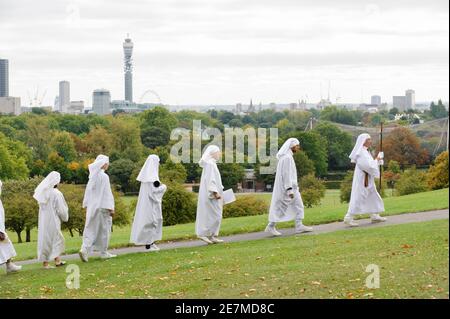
(412, 258)
(330, 210)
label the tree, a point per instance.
(339, 145)
(439, 110)
(126, 136)
(98, 141)
(120, 172)
(13, 158)
(37, 135)
(158, 117)
(394, 111)
(57, 163)
(437, 176)
(21, 209)
(313, 190)
(232, 174)
(392, 174)
(171, 172)
(154, 136)
(63, 144)
(343, 116)
(303, 164)
(403, 146)
(315, 147)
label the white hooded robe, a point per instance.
(282, 207)
(364, 200)
(98, 201)
(6, 247)
(52, 211)
(148, 219)
(209, 209)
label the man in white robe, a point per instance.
(364, 198)
(148, 219)
(99, 204)
(210, 197)
(7, 250)
(52, 211)
(286, 204)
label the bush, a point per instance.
(411, 181)
(178, 205)
(313, 190)
(346, 187)
(247, 205)
(437, 176)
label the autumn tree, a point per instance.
(403, 146)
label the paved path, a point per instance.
(318, 229)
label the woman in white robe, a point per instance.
(286, 203)
(99, 204)
(148, 219)
(52, 211)
(364, 198)
(7, 250)
(210, 202)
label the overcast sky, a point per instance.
(228, 51)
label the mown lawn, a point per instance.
(330, 210)
(412, 259)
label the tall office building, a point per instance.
(10, 105)
(64, 96)
(410, 99)
(128, 69)
(4, 78)
(101, 102)
(375, 100)
(399, 102)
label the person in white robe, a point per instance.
(148, 219)
(99, 204)
(364, 198)
(52, 211)
(210, 197)
(287, 203)
(7, 251)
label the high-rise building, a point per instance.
(4, 78)
(10, 105)
(76, 107)
(101, 102)
(64, 96)
(375, 100)
(399, 102)
(410, 99)
(128, 69)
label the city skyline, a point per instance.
(224, 53)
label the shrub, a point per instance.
(313, 190)
(246, 205)
(411, 181)
(437, 176)
(346, 187)
(178, 205)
